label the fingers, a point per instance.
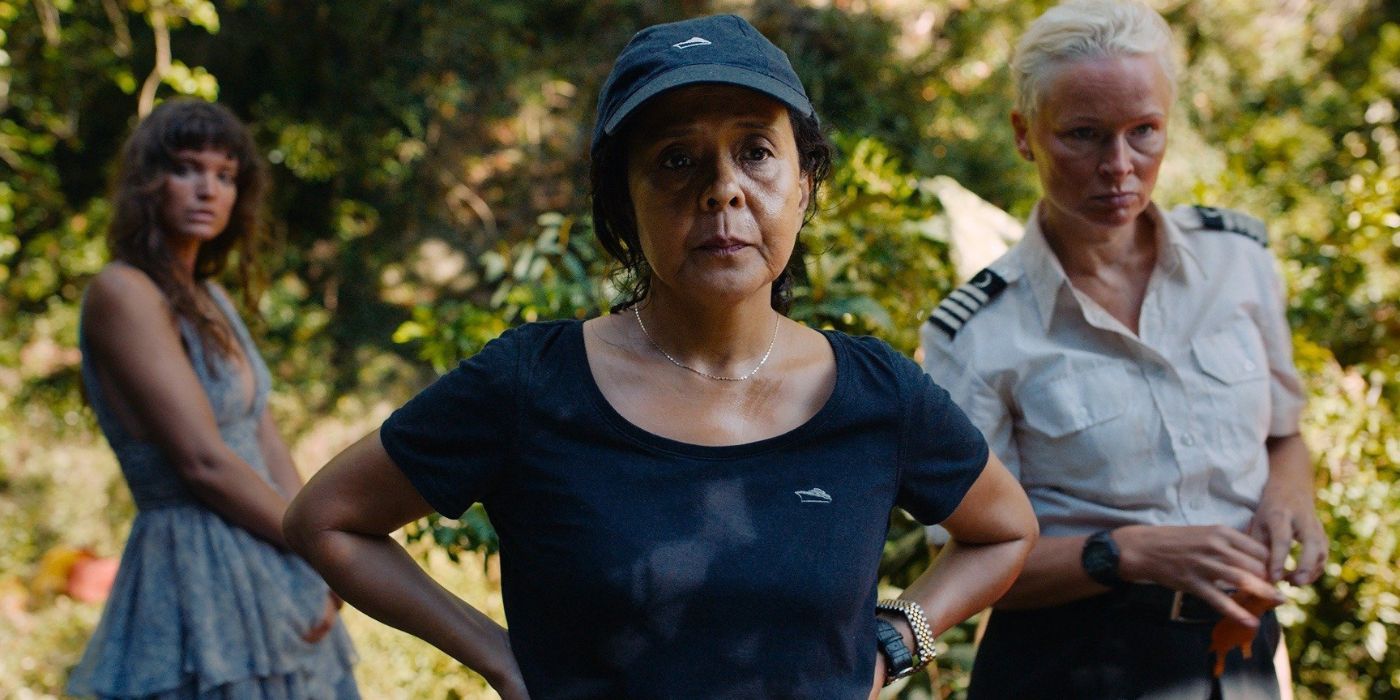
(1225, 605)
(1313, 554)
(879, 681)
(1230, 549)
(1276, 531)
(315, 634)
(1228, 604)
(1245, 544)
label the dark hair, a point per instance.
(136, 235)
(615, 223)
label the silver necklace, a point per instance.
(778, 318)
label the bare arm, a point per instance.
(1287, 512)
(992, 531)
(1197, 559)
(341, 522)
(132, 333)
(277, 457)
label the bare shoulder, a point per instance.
(609, 329)
(813, 358)
(119, 283)
(811, 343)
(123, 299)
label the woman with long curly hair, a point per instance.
(208, 601)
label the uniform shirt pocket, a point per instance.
(1234, 389)
(1231, 357)
(1070, 403)
(1080, 436)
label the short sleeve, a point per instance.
(941, 452)
(453, 439)
(983, 406)
(1286, 394)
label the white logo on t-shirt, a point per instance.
(813, 495)
(691, 43)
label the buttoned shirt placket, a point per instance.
(1158, 326)
(1166, 385)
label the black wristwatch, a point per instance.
(899, 661)
(1100, 559)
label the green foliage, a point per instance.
(470, 533)
(1347, 620)
(430, 191)
(877, 257)
(553, 275)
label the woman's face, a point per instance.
(1097, 141)
(717, 191)
(200, 191)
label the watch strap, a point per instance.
(899, 661)
(924, 649)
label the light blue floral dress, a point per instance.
(201, 608)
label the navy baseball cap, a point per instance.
(723, 49)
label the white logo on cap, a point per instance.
(691, 43)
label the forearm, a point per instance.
(1287, 512)
(230, 487)
(278, 458)
(966, 578)
(1053, 575)
(375, 574)
(993, 530)
(1203, 560)
(1290, 466)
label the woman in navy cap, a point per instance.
(691, 493)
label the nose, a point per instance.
(205, 184)
(723, 189)
(1117, 160)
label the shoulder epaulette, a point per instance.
(961, 303)
(1217, 219)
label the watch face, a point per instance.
(1100, 559)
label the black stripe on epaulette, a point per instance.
(1234, 222)
(958, 307)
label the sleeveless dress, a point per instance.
(201, 608)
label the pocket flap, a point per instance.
(1229, 358)
(1072, 402)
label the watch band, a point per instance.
(923, 634)
(899, 661)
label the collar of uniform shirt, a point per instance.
(1035, 260)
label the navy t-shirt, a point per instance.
(635, 566)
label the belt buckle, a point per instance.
(1178, 598)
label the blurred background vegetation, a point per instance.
(430, 191)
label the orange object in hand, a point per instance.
(1229, 634)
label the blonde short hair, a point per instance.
(1076, 30)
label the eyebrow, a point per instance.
(193, 155)
(687, 128)
(1076, 120)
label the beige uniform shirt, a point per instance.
(1107, 428)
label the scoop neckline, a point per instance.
(661, 443)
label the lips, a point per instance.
(722, 245)
(1117, 199)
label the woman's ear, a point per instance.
(1021, 126)
(806, 186)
